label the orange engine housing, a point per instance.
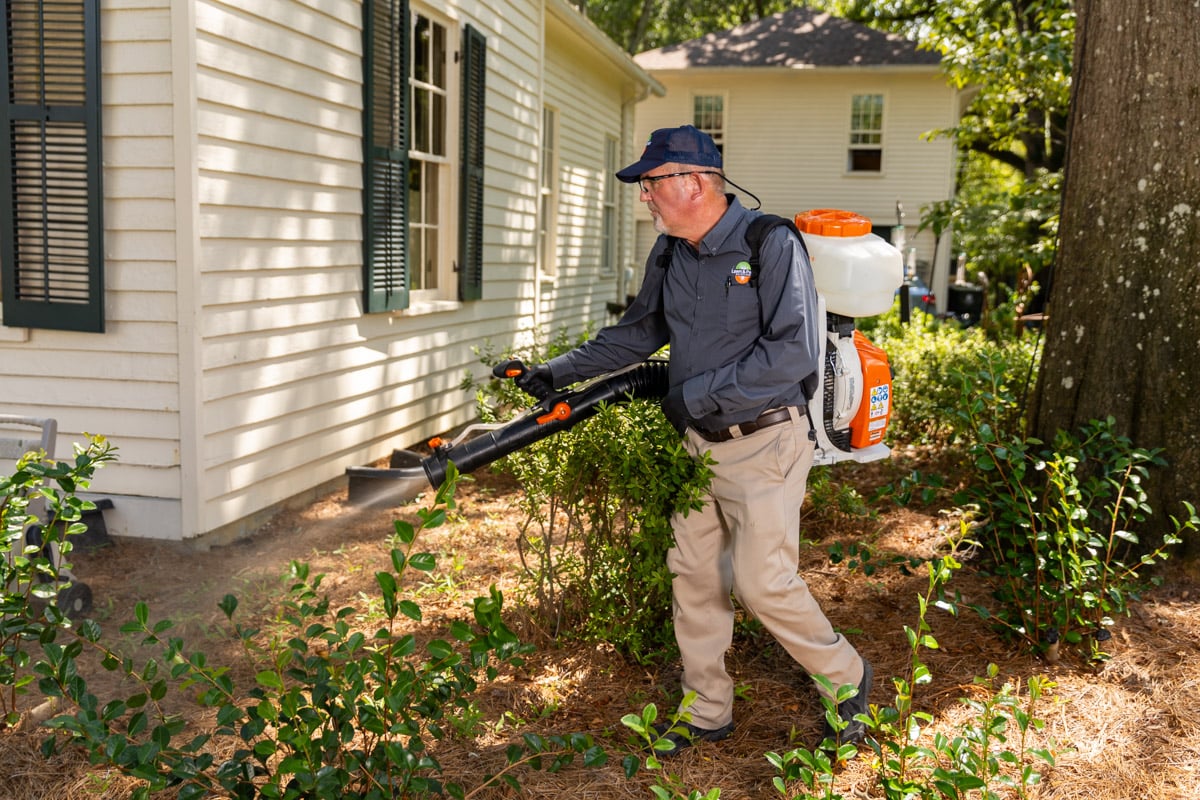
(875, 409)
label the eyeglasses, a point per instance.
(647, 184)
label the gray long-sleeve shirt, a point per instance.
(737, 349)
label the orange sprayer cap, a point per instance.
(832, 222)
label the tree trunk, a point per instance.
(1123, 328)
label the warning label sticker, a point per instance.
(880, 400)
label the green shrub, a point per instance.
(31, 576)
(907, 759)
(1057, 524)
(928, 357)
(598, 500)
(1058, 528)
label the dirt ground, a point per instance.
(1126, 729)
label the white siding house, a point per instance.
(306, 217)
(813, 111)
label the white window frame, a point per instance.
(443, 161)
(547, 230)
(609, 218)
(865, 134)
(710, 113)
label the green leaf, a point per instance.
(425, 562)
(410, 609)
(269, 679)
(405, 533)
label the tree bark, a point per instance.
(1123, 328)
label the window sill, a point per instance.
(862, 173)
(14, 334)
(419, 308)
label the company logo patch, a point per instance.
(742, 272)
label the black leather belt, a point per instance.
(765, 420)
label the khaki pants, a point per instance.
(746, 540)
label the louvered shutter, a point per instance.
(51, 224)
(385, 155)
(470, 223)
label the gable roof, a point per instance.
(799, 38)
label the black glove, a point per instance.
(675, 409)
(537, 381)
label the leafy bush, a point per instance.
(928, 358)
(32, 575)
(598, 500)
(1058, 527)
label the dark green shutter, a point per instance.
(470, 223)
(385, 155)
(50, 203)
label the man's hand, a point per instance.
(537, 381)
(675, 409)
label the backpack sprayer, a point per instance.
(856, 275)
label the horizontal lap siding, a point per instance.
(512, 119)
(278, 190)
(297, 382)
(121, 384)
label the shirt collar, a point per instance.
(732, 220)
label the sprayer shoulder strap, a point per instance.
(757, 231)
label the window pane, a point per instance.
(438, 57)
(421, 49)
(416, 208)
(437, 144)
(421, 120)
(709, 111)
(430, 248)
(429, 145)
(866, 160)
(416, 251)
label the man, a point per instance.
(739, 355)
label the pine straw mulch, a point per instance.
(1127, 729)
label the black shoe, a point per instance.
(682, 735)
(855, 731)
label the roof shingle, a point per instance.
(798, 38)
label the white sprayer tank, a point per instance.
(856, 271)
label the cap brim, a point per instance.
(634, 171)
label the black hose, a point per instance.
(645, 381)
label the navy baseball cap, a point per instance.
(683, 145)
